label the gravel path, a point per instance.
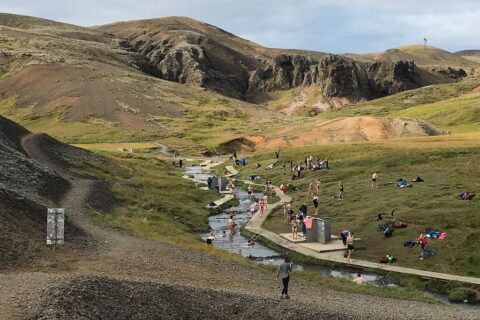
(119, 276)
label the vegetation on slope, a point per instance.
(449, 164)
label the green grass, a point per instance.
(449, 106)
(154, 200)
(448, 168)
(149, 191)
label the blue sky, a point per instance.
(338, 26)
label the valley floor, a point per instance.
(119, 276)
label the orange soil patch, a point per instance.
(352, 129)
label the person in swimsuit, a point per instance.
(263, 205)
(250, 191)
(341, 194)
(289, 212)
(350, 246)
(294, 225)
(375, 180)
(315, 205)
(313, 188)
(359, 279)
(211, 238)
(231, 224)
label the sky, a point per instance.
(337, 26)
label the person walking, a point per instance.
(284, 271)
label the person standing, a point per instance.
(294, 224)
(315, 205)
(375, 180)
(423, 245)
(284, 271)
(303, 209)
(350, 247)
(341, 194)
(231, 225)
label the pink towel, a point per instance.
(442, 236)
(308, 223)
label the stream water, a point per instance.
(238, 243)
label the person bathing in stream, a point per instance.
(231, 225)
(263, 204)
(284, 272)
(211, 238)
(250, 191)
(254, 208)
(359, 279)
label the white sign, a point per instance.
(55, 225)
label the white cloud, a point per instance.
(324, 25)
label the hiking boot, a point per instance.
(281, 296)
(287, 297)
(421, 258)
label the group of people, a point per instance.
(180, 163)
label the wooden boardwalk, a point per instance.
(255, 226)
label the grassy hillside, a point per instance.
(449, 165)
(58, 76)
(429, 56)
(452, 106)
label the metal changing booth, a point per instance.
(320, 230)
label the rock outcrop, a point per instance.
(337, 76)
(190, 62)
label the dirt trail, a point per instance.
(114, 254)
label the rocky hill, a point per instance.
(182, 81)
(27, 189)
(188, 51)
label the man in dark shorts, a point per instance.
(350, 247)
(315, 204)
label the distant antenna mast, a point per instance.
(425, 44)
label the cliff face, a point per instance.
(337, 76)
(193, 62)
(189, 51)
